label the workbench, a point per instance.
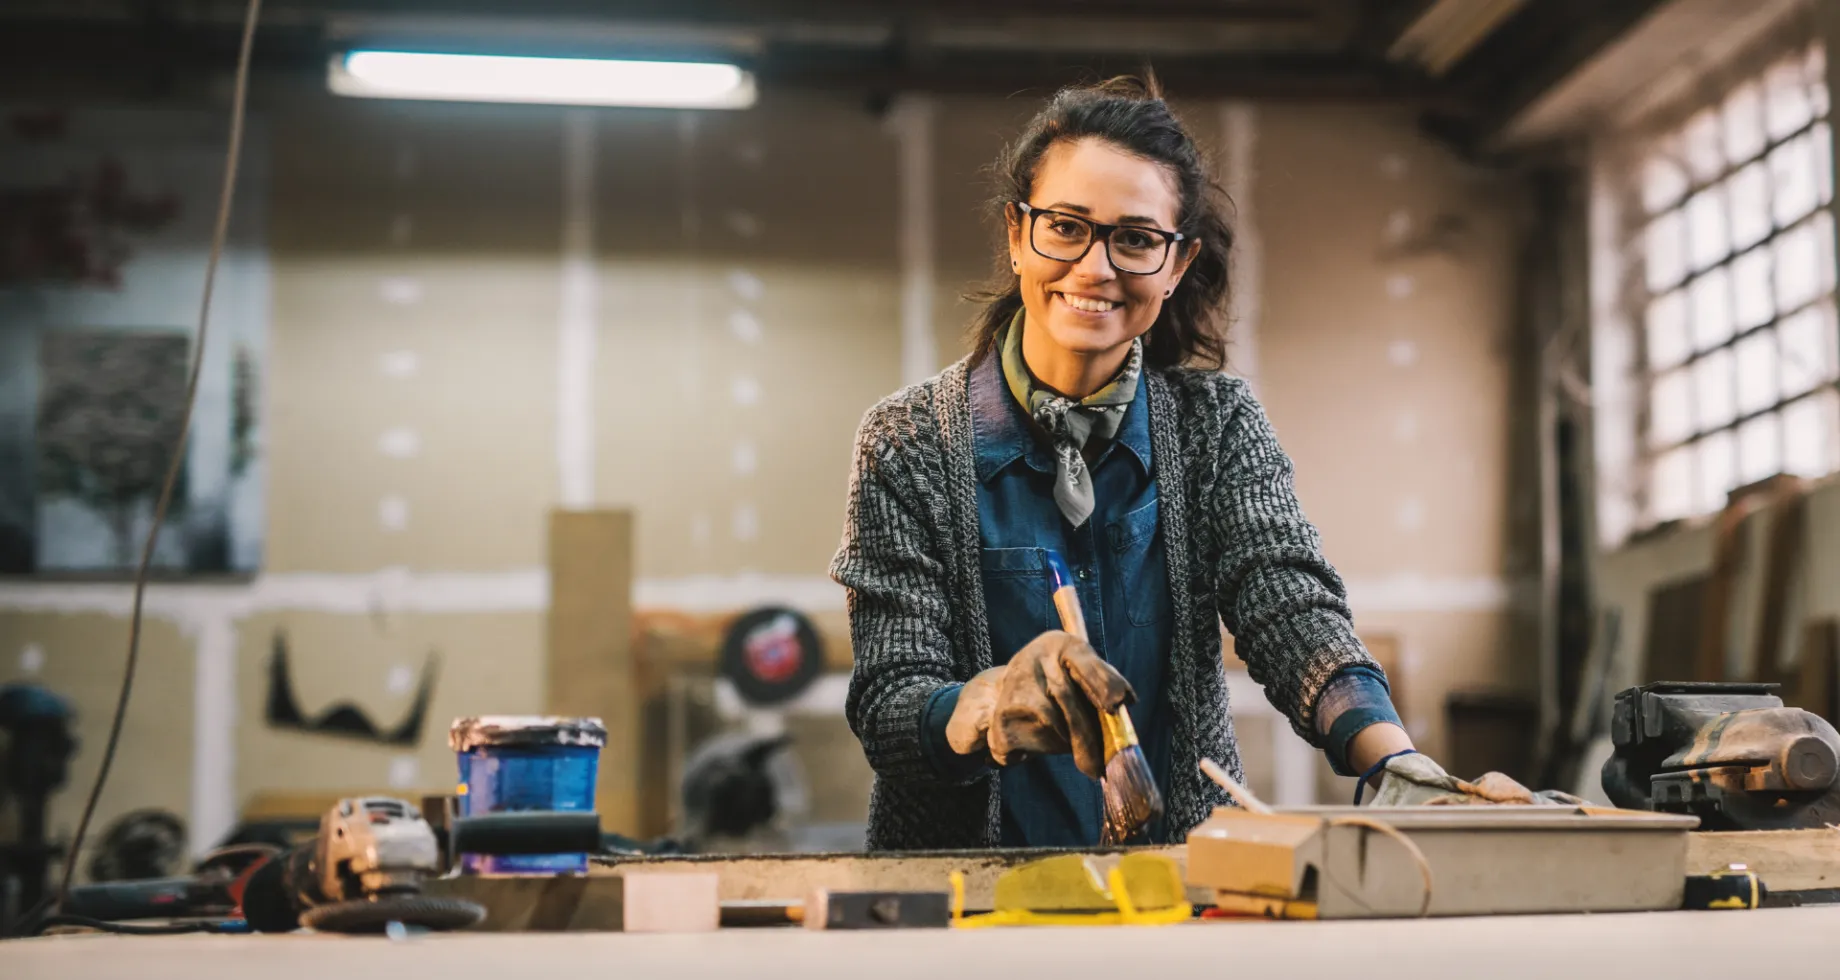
(1769, 942)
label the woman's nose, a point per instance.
(1096, 263)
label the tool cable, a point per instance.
(219, 232)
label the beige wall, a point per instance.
(1389, 374)
(747, 277)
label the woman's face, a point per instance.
(1088, 307)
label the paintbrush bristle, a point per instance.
(1132, 800)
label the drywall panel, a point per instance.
(412, 393)
(748, 316)
(79, 658)
(486, 664)
(1386, 338)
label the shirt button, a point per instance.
(1085, 574)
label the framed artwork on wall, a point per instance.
(104, 233)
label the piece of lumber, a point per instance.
(667, 902)
(591, 671)
(1786, 860)
(593, 902)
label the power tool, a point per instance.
(362, 872)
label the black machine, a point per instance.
(34, 762)
(1732, 754)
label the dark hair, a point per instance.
(1128, 113)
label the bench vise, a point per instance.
(1731, 754)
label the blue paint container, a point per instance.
(512, 762)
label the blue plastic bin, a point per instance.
(510, 762)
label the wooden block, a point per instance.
(667, 902)
(1786, 860)
(827, 909)
(591, 672)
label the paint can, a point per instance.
(522, 762)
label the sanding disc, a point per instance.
(772, 655)
(374, 916)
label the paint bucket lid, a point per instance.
(468, 734)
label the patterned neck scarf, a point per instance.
(1071, 424)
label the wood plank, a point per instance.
(589, 637)
(1786, 860)
(593, 903)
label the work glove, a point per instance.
(1413, 779)
(1045, 701)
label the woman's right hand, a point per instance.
(1047, 700)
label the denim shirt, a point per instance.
(1118, 562)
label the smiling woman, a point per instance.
(1092, 420)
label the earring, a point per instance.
(1171, 291)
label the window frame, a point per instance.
(1624, 376)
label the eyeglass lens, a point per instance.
(1065, 238)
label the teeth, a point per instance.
(1089, 305)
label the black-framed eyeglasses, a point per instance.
(1063, 237)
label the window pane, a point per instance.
(1716, 470)
(1804, 262)
(1708, 238)
(1712, 309)
(1752, 295)
(1757, 373)
(1701, 142)
(1743, 116)
(1759, 449)
(1792, 178)
(1823, 143)
(1750, 205)
(1809, 439)
(1787, 106)
(1667, 331)
(1666, 253)
(1808, 349)
(1664, 181)
(1714, 390)
(1670, 409)
(1670, 485)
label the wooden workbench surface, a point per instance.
(1577, 947)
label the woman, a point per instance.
(1092, 419)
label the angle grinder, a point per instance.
(362, 872)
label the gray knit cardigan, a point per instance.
(1239, 551)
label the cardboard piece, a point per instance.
(1483, 860)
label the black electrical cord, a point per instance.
(218, 234)
(123, 929)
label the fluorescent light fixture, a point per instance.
(552, 81)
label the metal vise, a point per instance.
(1731, 754)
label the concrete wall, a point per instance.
(482, 312)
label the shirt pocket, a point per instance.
(1137, 546)
(1016, 598)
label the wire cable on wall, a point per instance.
(219, 232)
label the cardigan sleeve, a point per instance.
(1284, 604)
(899, 610)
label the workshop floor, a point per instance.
(1576, 947)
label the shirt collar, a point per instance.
(1001, 432)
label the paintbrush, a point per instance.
(1131, 797)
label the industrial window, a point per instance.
(1724, 248)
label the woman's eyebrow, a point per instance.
(1129, 219)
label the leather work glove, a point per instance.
(1045, 701)
(1413, 779)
